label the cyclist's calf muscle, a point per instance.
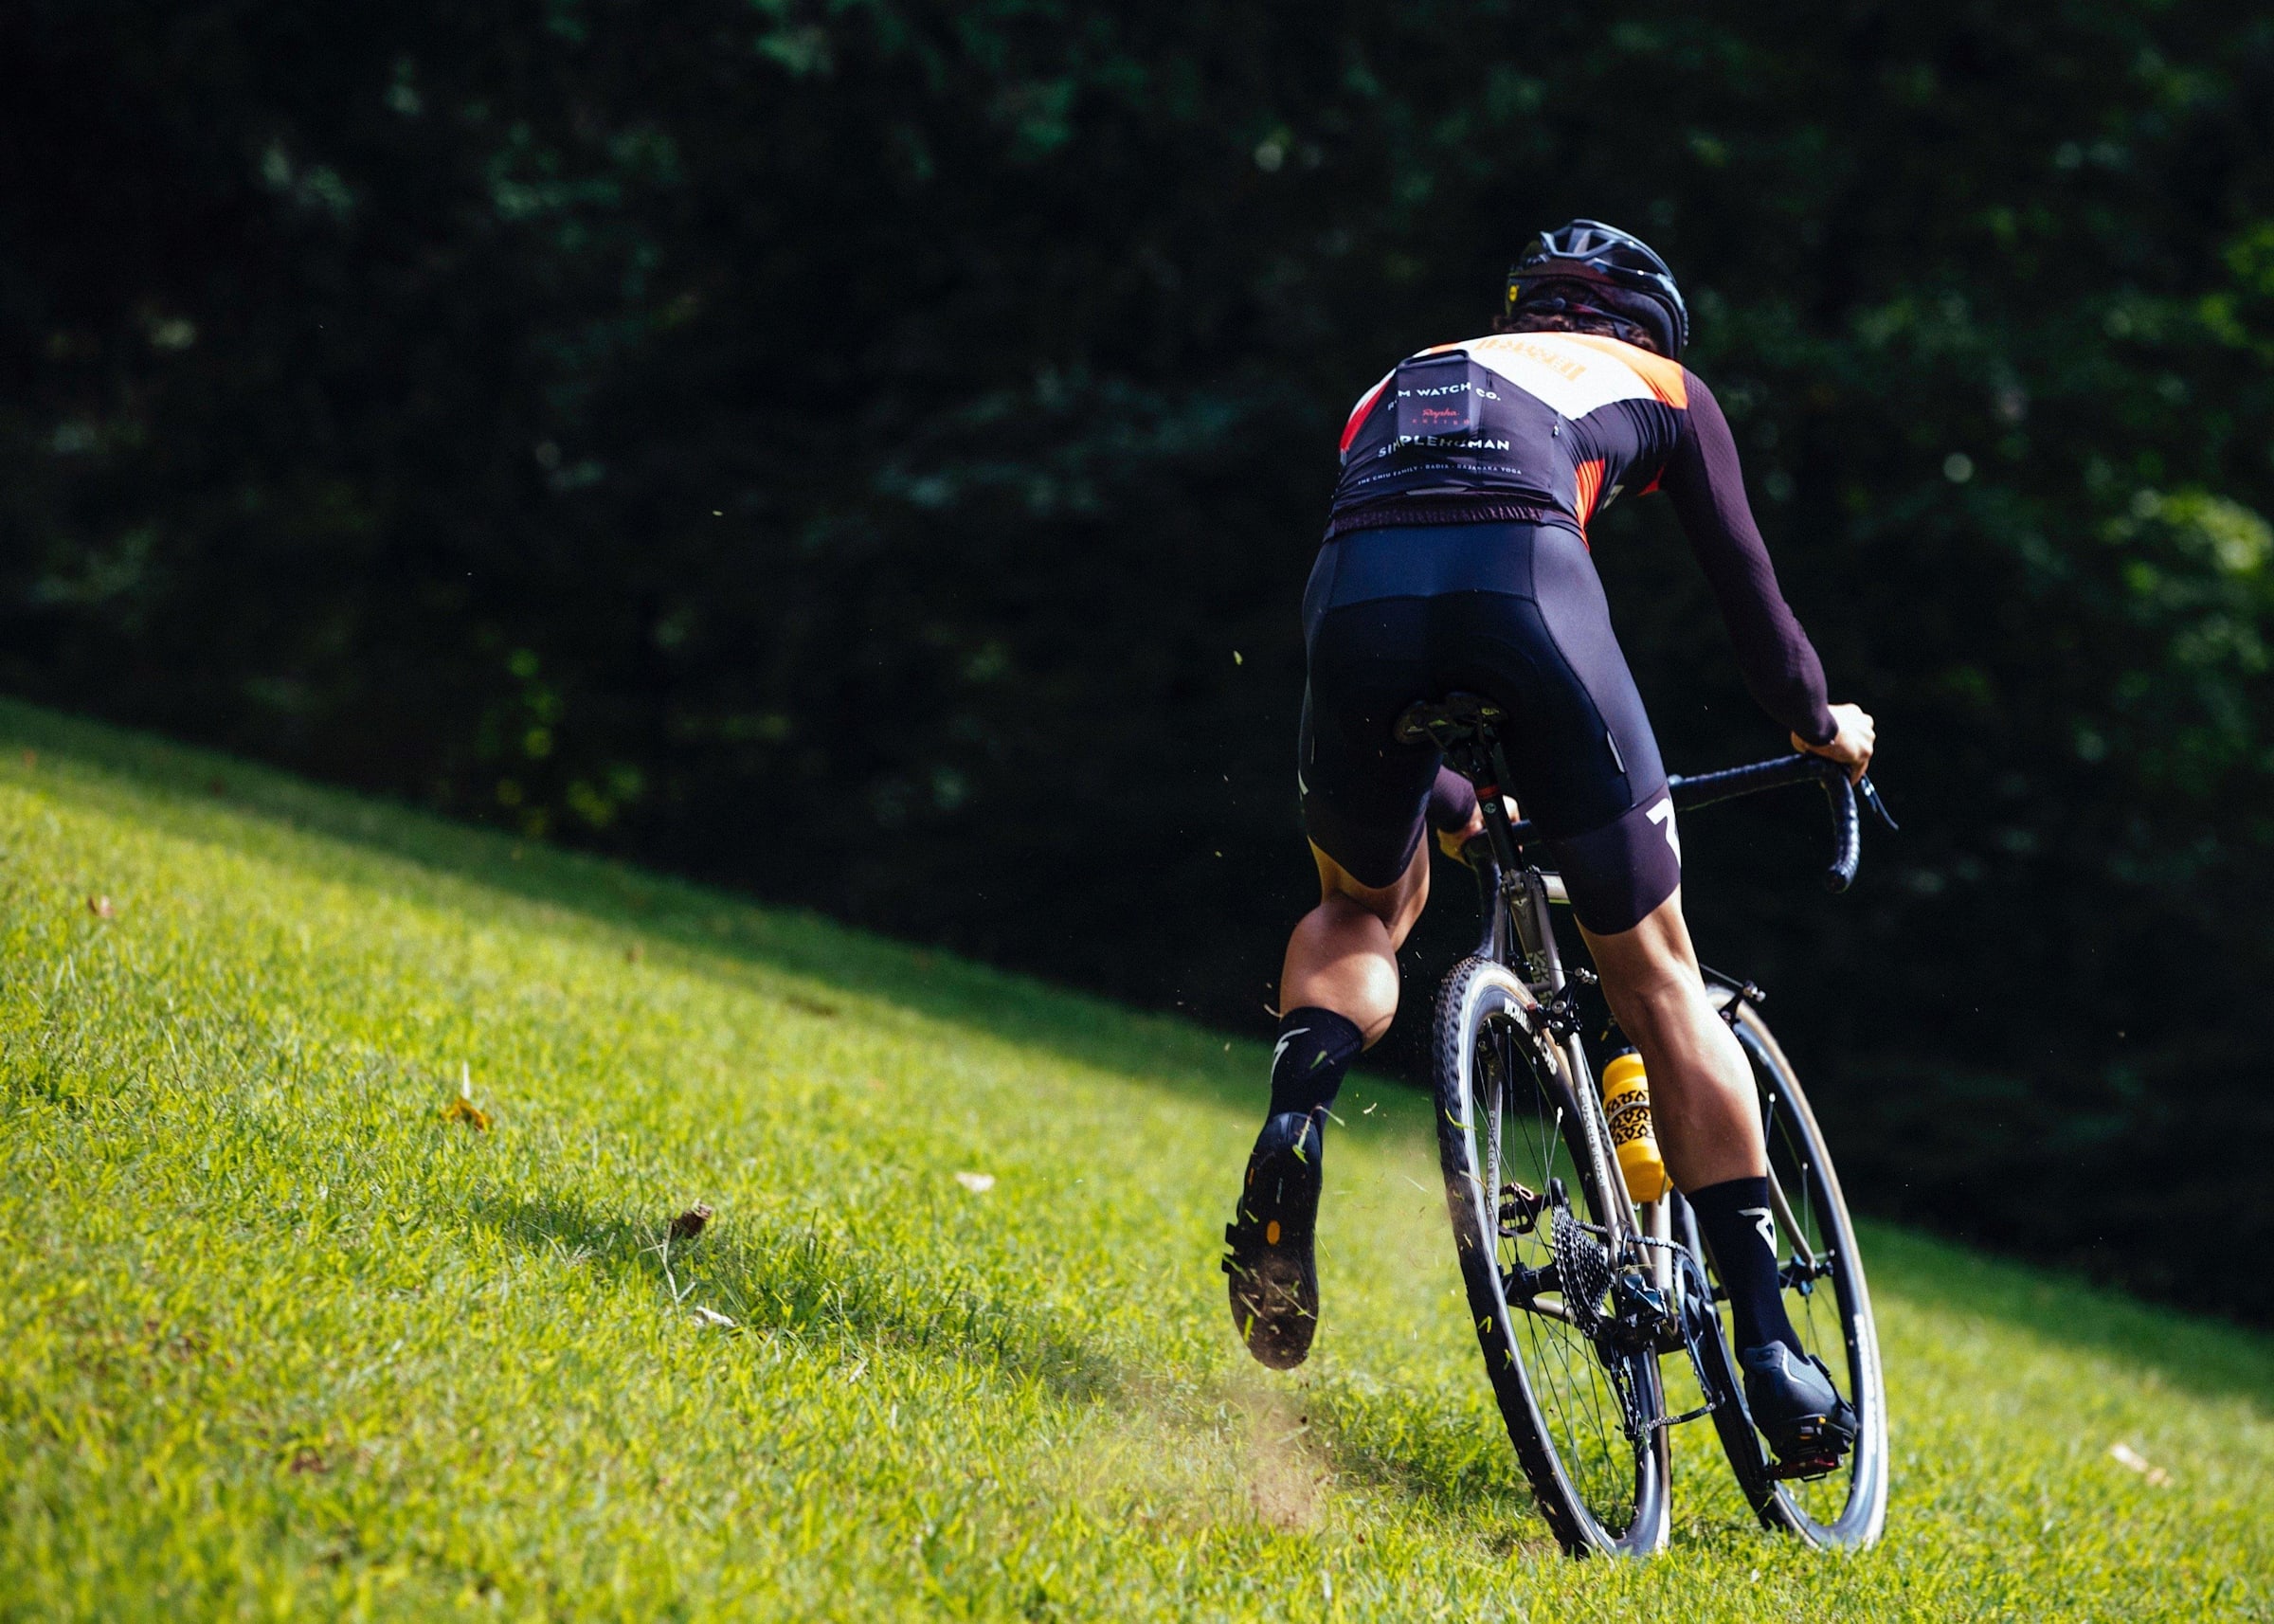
(1702, 1093)
(1342, 955)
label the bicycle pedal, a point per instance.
(1804, 1468)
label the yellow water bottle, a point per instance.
(1627, 1103)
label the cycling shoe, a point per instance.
(1797, 1409)
(1275, 1278)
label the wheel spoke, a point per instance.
(1819, 1281)
(1514, 1129)
(1570, 1379)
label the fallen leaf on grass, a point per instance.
(2125, 1455)
(977, 1184)
(101, 907)
(463, 1109)
(712, 1317)
(689, 1224)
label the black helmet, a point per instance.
(1634, 279)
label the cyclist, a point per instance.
(1457, 558)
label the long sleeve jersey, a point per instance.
(1552, 428)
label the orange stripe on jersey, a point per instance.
(1591, 484)
(1358, 412)
(1665, 377)
(1365, 402)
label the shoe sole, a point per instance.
(1813, 1446)
(1275, 1305)
(1275, 1284)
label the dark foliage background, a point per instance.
(869, 453)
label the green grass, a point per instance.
(278, 1339)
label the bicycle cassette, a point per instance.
(1582, 1270)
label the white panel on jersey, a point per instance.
(1573, 378)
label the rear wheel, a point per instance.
(1827, 1302)
(1528, 1184)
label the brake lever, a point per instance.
(1879, 807)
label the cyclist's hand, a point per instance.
(1852, 745)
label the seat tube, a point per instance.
(1523, 900)
(1535, 926)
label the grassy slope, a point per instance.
(274, 1337)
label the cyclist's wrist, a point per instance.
(1822, 728)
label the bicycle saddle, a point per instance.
(1447, 721)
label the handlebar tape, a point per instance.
(1839, 796)
(1705, 789)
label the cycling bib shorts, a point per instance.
(1514, 612)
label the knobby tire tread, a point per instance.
(1451, 1041)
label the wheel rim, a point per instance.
(1830, 1313)
(1522, 1130)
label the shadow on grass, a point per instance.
(806, 1281)
(203, 796)
(1443, 1457)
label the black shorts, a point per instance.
(1516, 613)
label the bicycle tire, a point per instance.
(1553, 1402)
(1849, 1346)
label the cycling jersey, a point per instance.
(1456, 557)
(1552, 428)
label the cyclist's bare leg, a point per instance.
(1701, 1095)
(1338, 990)
(1707, 1115)
(1344, 954)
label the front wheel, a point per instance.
(1527, 1182)
(1827, 1302)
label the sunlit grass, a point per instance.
(278, 1339)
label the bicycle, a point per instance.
(1579, 1291)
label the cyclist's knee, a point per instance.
(1654, 961)
(1398, 905)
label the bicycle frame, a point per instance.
(1638, 1269)
(1518, 934)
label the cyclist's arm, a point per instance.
(1780, 665)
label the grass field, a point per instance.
(279, 1338)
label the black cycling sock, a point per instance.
(1738, 1225)
(1316, 1047)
